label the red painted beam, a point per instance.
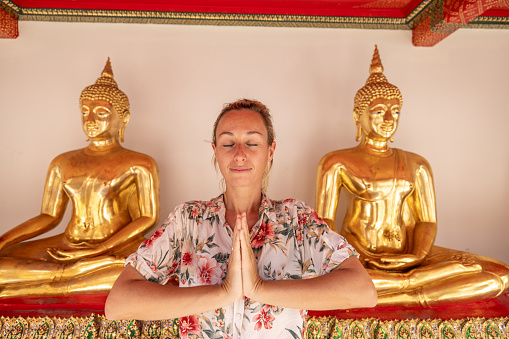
(448, 18)
(8, 25)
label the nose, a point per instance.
(90, 117)
(388, 115)
(240, 153)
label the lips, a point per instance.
(387, 128)
(240, 169)
(92, 127)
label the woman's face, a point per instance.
(100, 120)
(380, 119)
(241, 149)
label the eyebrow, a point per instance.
(249, 133)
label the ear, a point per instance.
(213, 147)
(272, 148)
(127, 116)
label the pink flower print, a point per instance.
(150, 241)
(188, 325)
(263, 319)
(316, 218)
(299, 236)
(194, 212)
(268, 307)
(265, 232)
(304, 219)
(174, 266)
(209, 271)
(187, 258)
(152, 266)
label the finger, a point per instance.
(235, 255)
(244, 237)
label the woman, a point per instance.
(114, 194)
(391, 216)
(247, 260)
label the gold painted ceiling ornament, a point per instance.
(376, 86)
(106, 88)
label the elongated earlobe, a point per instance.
(358, 131)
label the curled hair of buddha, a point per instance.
(254, 106)
(106, 88)
(376, 86)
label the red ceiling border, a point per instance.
(448, 16)
(8, 24)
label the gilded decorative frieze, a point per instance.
(97, 326)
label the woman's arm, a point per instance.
(348, 286)
(134, 297)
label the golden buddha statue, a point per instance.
(114, 194)
(391, 214)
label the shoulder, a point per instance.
(199, 208)
(295, 208)
(417, 161)
(68, 157)
(336, 159)
(139, 159)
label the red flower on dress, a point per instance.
(268, 307)
(299, 236)
(188, 325)
(316, 218)
(209, 271)
(265, 232)
(194, 212)
(187, 259)
(263, 319)
(150, 241)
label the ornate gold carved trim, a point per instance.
(97, 326)
(471, 328)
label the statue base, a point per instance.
(82, 316)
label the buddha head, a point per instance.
(377, 104)
(105, 90)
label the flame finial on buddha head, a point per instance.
(376, 86)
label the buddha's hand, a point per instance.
(251, 281)
(396, 262)
(232, 285)
(73, 255)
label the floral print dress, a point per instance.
(289, 241)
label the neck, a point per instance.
(101, 146)
(378, 147)
(243, 200)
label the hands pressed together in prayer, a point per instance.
(242, 278)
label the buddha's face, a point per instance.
(100, 120)
(380, 119)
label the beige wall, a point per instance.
(177, 78)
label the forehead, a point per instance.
(241, 121)
(384, 101)
(96, 102)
